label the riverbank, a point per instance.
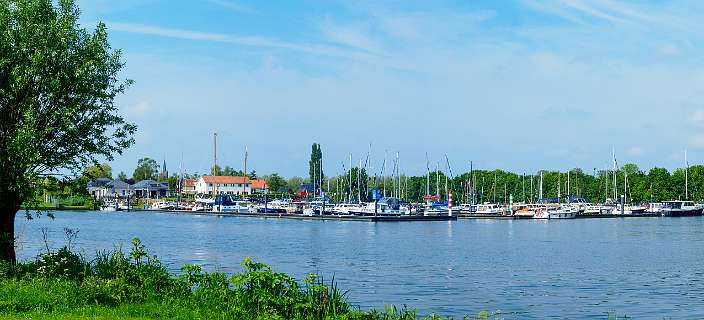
(135, 285)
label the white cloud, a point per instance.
(254, 41)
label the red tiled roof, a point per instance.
(189, 183)
(259, 184)
(226, 179)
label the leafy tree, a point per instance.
(147, 169)
(98, 171)
(122, 176)
(276, 183)
(173, 182)
(294, 183)
(58, 83)
(316, 159)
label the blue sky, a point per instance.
(520, 85)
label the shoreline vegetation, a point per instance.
(60, 284)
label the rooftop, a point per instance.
(226, 179)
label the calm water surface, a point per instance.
(580, 269)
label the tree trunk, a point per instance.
(8, 211)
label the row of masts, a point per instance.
(399, 182)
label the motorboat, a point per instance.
(593, 209)
(680, 209)
(203, 204)
(161, 205)
(561, 212)
(488, 209)
(387, 206)
(345, 208)
(228, 204)
(275, 206)
(629, 209)
(109, 206)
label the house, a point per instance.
(259, 186)
(106, 188)
(223, 185)
(97, 188)
(150, 189)
(119, 189)
(188, 186)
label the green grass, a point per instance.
(116, 285)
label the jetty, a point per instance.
(332, 217)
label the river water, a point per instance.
(577, 269)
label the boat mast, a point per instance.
(359, 181)
(320, 176)
(613, 153)
(495, 186)
(437, 180)
(625, 185)
(471, 183)
(398, 176)
(540, 193)
(383, 174)
(523, 186)
(606, 184)
(532, 199)
(686, 176)
(558, 187)
(448, 170)
(427, 179)
(349, 197)
(568, 185)
(215, 160)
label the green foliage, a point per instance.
(121, 176)
(316, 159)
(276, 183)
(147, 169)
(294, 183)
(58, 85)
(95, 171)
(114, 284)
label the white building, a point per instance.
(223, 185)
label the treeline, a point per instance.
(657, 184)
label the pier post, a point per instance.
(449, 202)
(623, 204)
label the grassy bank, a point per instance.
(134, 285)
(117, 285)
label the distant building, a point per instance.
(106, 188)
(223, 185)
(259, 186)
(97, 187)
(164, 174)
(150, 189)
(188, 186)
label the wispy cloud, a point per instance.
(232, 6)
(253, 41)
